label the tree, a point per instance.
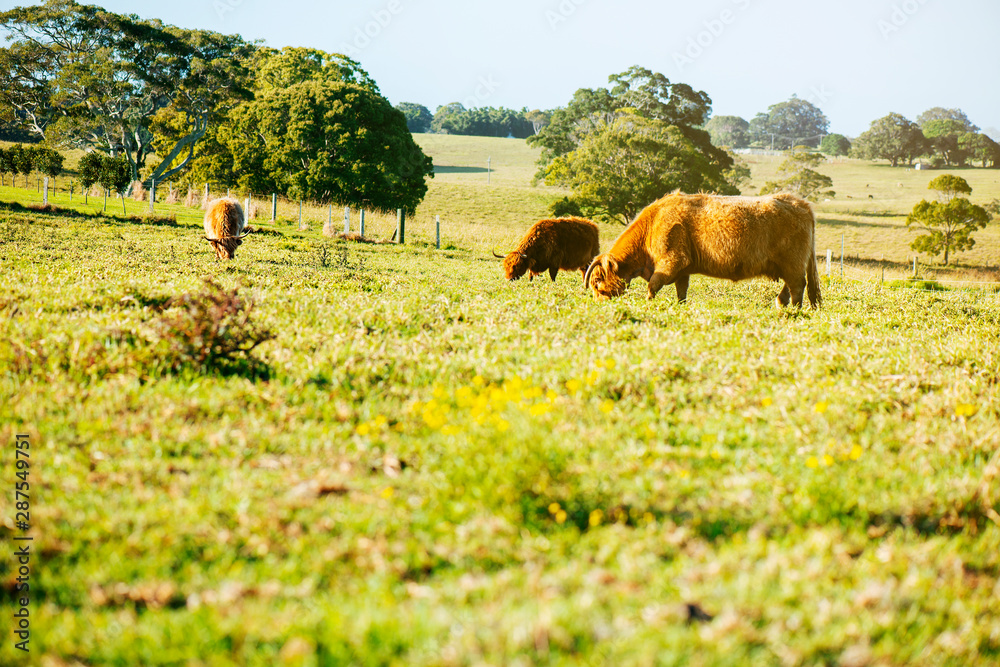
(943, 135)
(980, 147)
(78, 75)
(940, 113)
(22, 160)
(789, 124)
(115, 176)
(731, 131)
(329, 141)
(538, 119)
(835, 144)
(49, 162)
(802, 180)
(623, 148)
(90, 167)
(418, 117)
(949, 224)
(277, 70)
(950, 186)
(636, 92)
(627, 164)
(892, 138)
(6, 165)
(443, 114)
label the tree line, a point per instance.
(943, 137)
(195, 106)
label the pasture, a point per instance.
(425, 465)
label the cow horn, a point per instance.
(496, 255)
(245, 234)
(586, 276)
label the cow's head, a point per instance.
(226, 248)
(515, 264)
(603, 279)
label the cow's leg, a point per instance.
(784, 296)
(552, 273)
(682, 288)
(665, 273)
(795, 287)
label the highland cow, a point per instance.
(224, 227)
(550, 245)
(735, 238)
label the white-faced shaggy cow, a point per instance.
(224, 227)
(724, 237)
(550, 245)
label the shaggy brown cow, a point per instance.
(723, 237)
(224, 227)
(561, 243)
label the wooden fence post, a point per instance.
(274, 206)
(152, 194)
(437, 229)
(45, 197)
(300, 215)
(914, 266)
(362, 223)
(829, 259)
(347, 219)
(400, 226)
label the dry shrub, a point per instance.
(192, 198)
(172, 196)
(209, 330)
(138, 192)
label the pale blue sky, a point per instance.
(855, 59)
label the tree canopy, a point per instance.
(940, 113)
(835, 144)
(622, 166)
(418, 117)
(893, 138)
(84, 77)
(800, 177)
(949, 225)
(731, 131)
(329, 141)
(788, 124)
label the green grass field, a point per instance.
(429, 466)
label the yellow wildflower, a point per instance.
(387, 492)
(573, 386)
(856, 452)
(812, 462)
(539, 409)
(553, 508)
(607, 405)
(364, 429)
(596, 517)
(827, 460)
(561, 517)
(821, 408)
(965, 410)
(767, 401)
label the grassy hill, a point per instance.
(421, 464)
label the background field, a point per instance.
(428, 465)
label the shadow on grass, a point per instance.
(459, 170)
(837, 222)
(111, 218)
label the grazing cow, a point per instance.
(724, 237)
(561, 243)
(224, 227)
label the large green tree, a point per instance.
(623, 147)
(948, 224)
(943, 136)
(893, 138)
(978, 146)
(78, 75)
(328, 141)
(787, 124)
(731, 131)
(835, 144)
(940, 113)
(621, 167)
(418, 117)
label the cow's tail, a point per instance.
(812, 274)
